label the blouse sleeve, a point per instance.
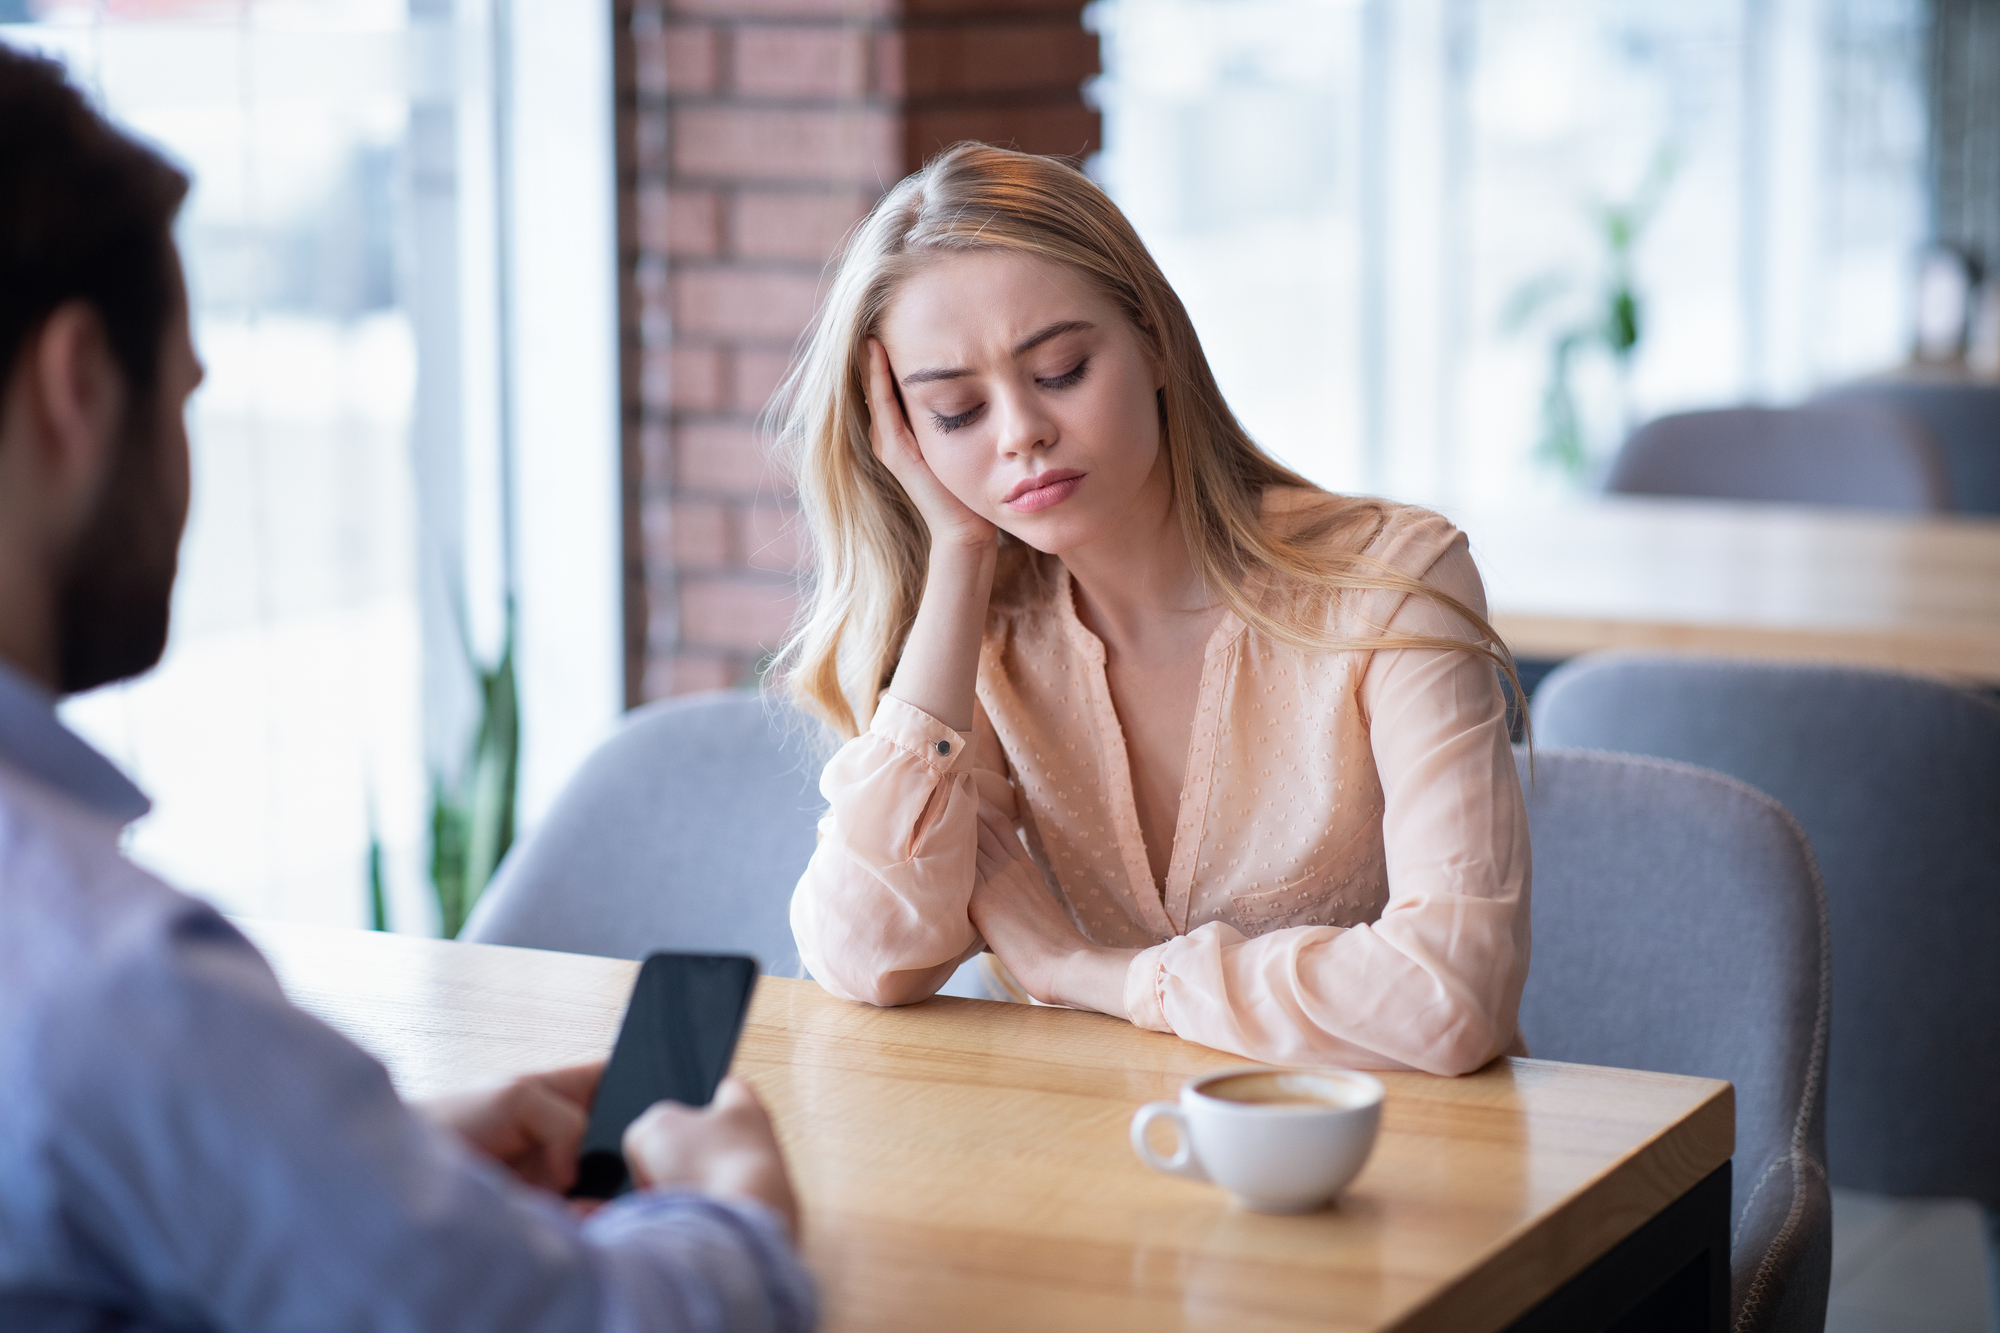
(887, 888)
(1434, 983)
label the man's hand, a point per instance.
(725, 1148)
(534, 1126)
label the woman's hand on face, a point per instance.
(1024, 925)
(950, 519)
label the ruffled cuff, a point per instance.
(1143, 978)
(910, 728)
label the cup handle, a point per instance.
(1183, 1162)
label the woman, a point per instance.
(1174, 734)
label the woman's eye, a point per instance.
(946, 425)
(1068, 377)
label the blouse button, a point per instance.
(944, 747)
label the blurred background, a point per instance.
(491, 293)
(1405, 231)
(290, 698)
(1385, 217)
(349, 560)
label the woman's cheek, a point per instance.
(950, 467)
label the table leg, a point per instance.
(1671, 1274)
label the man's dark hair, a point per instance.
(86, 213)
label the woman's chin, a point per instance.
(1050, 536)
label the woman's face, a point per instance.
(1031, 396)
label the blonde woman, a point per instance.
(1172, 733)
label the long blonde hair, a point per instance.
(872, 545)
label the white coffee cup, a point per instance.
(1279, 1140)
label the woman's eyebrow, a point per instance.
(1056, 330)
(1027, 344)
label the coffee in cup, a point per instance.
(1279, 1140)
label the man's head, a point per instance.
(95, 369)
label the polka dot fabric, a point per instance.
(1349, 874)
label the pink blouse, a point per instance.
(1349, 875)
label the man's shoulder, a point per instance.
(72, 907)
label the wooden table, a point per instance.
(963, 1165)
(1751, 580)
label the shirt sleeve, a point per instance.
(1434, 983)
(887, 888)
(223, 1160)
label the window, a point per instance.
(1362, 202)
(380, 451)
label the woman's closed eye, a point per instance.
(1074, 375)
(947, 424)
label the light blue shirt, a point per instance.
(182, 1149)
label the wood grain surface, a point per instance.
(1748, 580)
(963, 1164)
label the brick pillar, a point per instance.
(753, 134)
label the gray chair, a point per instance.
(1964, 420)
(1679, 927)
(1821, 456)
(1896, 780)
(686, 830)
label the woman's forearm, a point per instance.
(940, 661)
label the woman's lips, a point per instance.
(1040, 492)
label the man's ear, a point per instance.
(76, 397)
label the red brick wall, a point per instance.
(753, 134)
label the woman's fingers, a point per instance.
(991, 856)
(949, 518)
(886, 423)
(1005, 844)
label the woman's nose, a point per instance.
(1024, 425)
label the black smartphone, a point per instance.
(679, 1032)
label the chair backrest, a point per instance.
(686, 830)
(1679, 927)
(1963, 419)
(1824, 456)
(1896, 780)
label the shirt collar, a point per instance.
(35, 741)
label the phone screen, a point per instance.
(679, 1032)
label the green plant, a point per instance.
(1610, 320)
(472, 813)
(378, 901)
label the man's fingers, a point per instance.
(553, 1126)
(733, 1092)
(577, 1083)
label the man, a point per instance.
(179, 1147)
